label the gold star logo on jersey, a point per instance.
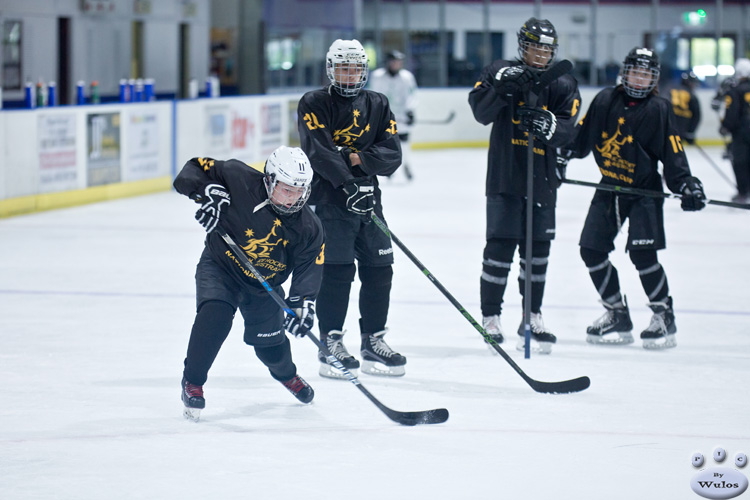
(347, 136)
(613, 165)
(262, 248)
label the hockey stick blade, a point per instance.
(437, 416)
(444, 121)
(557, 70)
(563, 387)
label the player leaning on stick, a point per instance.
(266, 214)
(498, 98)
(630, 130)
(350, 135)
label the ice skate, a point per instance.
(660, 334)
(378, 358)
(192, 398)
(300, 389)
(541, 338)
(335, 343)
(613, 328)
(493, 329)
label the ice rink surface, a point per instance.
(97, 302)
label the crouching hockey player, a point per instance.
(266, 214)
(630, 129)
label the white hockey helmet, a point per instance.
(346, 67)
(742, 68)
(288, 179)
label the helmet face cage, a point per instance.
(640, 72)
(346, 67)
(288, 180)
(537, 43)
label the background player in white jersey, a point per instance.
(400, 87)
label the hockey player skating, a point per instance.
(350, 136)
(266, 214)
(630, 130)
(737, 122)
(687, 109)
(498, 98)
(400, 87)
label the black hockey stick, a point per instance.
(444, 121)
(651, 193)
(437, 416)
(716, 167)
(553, 73)
(563, 387)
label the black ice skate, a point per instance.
(613, 328)
(493, 329)
(378, 358)
(660, 334)
(192, 398)
(335, 343)
(541, 338)
(300, 389)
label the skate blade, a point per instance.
(329, 371)
(381, 370)
(536, 347)
(614, 338)
(193, 414)
(657, 344)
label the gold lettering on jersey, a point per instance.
(206, 163)
(525, 143)
(610, 151)
(347, 136)
(681, 103)
(392, 129)
(574, 109)
(244, 271)
(312, 121)
(320, 260)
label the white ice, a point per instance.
(97, 302)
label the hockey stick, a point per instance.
(556, 71)
(563, 387)
(437, 416)
(716, 167)
(444, 121)
(649, 192)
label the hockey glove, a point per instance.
(301, 322)
(510, 79)
(214, 200)
(693, 197)
(410, 117)
(360, 195)
(563, 157)
(715, 103)
(690, 138)
(541, 122)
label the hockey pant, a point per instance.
(604, 275)
(498, 257)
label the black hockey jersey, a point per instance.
(687, 110)
(507, 156)
(276, 245)
(629, 138)
(737, 115)
(364, 124)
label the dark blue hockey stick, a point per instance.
(437, 416)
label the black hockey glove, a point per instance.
(693, 197)
(301, 322)
(541, 122)
(690, 138)
(715, 103)
(410, 117)
(510, 79)
(360, 194)
(214, 200)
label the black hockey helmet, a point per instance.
(542, 34)
(689, 79)
(395, 55)
(640, 72)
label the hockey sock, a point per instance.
(652, 275)
(498, 257)
(539, 260)
(210, 330)
(278, 359)
(374, 297)
(333, 299)
(603, 275)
